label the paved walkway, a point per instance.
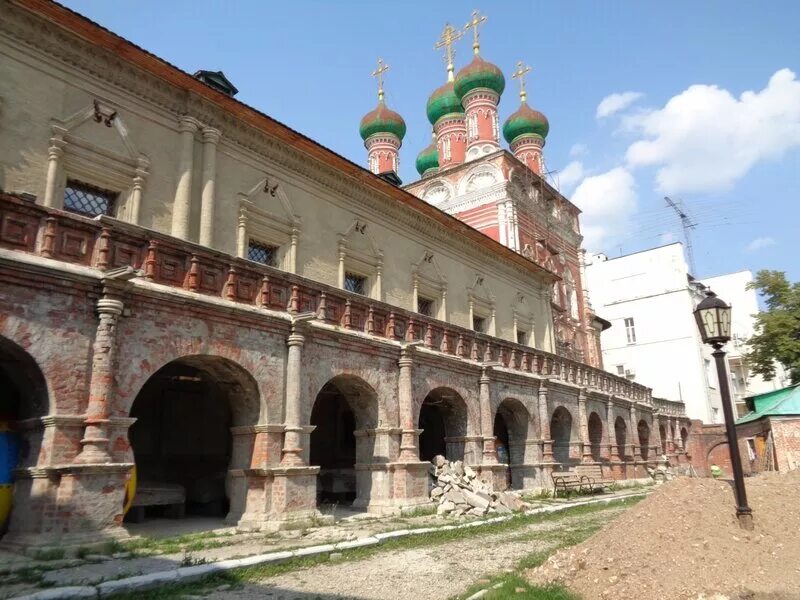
(427, 573)
(159, 554)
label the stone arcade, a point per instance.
(194, 288)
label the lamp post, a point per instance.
(713, 318)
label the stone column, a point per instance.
(293, 249)
(136, 193)
(182, 207)
(586, 448)
(342, 255)
(544, 424)
(241, 230)
(95, 440)
(409, 448)
(677, 441)
(487, 429)
(292, 453)
(54, 155)
(207, 217)
(610, 430)
(634, 430)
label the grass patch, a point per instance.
(191, 542)
(49, 554)
(238, 577)
(509, 586)
(509, 583)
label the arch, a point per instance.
(643, 429)
(684, 439)
(190, 441)
(561, 433)
(662, 432)
(595, 426)
(443, 420)
(345, 416)
(512, 428)
(620, 436)
(24, 399)
(438, 192)
(479, 177)
(23, 384)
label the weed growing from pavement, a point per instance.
(238, 577)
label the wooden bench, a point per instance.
(566, 480)
(592, 475)
(150, 493)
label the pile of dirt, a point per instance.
(684, 542)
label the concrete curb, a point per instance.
(139, 583)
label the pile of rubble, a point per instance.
(457, 489)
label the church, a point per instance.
(205, 311)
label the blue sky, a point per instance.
(676, 122)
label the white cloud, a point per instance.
(578, 150)
(569, 176)
(705, 140)
(614, 103)
(607, 201)
(759, 243)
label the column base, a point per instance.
(409, 483)
(282, 498)
(68, 506)
(495, 475)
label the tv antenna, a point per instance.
(687, 224)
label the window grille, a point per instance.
(88, 200)
(425, 307)
(262, 253)
(355, 283)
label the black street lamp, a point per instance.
(713, 318)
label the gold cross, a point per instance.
(382, 68)
(520, 73)
(446, 41)
(476, 21)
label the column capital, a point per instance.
(110, 306)
(56, 148)
(187, 124)
(211, 135)
(408, 349)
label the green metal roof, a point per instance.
(777, 403)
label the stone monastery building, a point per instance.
(260, 325)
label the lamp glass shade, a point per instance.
(713, 318)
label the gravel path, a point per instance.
(425, 573)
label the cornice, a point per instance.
(32, 30)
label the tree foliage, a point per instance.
(777, 328)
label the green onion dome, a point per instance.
(382, 120)
(526, 121)
(428, 159)
(479, 74)
(443, 102)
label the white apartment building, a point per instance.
(733, 289)
(649, 297)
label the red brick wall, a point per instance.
(786, 435)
